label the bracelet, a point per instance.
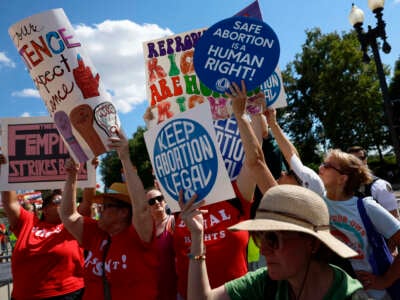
(196, 257)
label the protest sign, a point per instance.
(67, 82)
(236, 49)
(230, 145)
(273, 88)
(36, 155)
(185, 156)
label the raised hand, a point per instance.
(119, 144)
(239, 97)
(191, 214)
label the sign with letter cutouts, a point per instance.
(35, 156)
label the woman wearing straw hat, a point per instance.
(292, 229)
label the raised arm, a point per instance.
(69, 215)
(198, 283)
(85, 207)
(141, 218)
(254, 169)
(10, 201)
(286, 146)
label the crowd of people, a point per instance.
(309, 227)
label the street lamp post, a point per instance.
(369, 38)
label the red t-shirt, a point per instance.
(167, 279)
(226, 251)
(46, 262)
(131, 264)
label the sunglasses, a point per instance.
(272, 239)
(57, 200)
(153, 200)
(327, 165)
(104, 206)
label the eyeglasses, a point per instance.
(153, 200)
(104, 206)
(328, 165)
(272, 239)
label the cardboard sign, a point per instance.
(185, 156)
(235, 49)
(67, 82)
(36, 156)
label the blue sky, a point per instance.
(113, 32)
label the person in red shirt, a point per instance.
(47, 260)
(227, 250)
(122, 260)
(3, 239)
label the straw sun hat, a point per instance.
(117, 191)
(295, 208)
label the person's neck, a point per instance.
(318, 282)
(337, 195)
(117, 228)
(160, 217)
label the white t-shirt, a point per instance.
(308, 177)
(382, 191)
(347, 226)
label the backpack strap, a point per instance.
(375, 239)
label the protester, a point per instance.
(3, 239)
(227, 251)
(292, 229)
(298, 173)
(46, 261)
(341, 175)
(164, 225)
(122, 260)
(379, 189)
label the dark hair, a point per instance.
(355, 149)
(49, 198)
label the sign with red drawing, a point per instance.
(67, 82)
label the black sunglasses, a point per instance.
(328, 165)
(153, 200)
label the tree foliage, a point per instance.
(334, 99)
(110, 166)
(394, 87)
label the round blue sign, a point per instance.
(236, 49)
(185, 158)
(271, 88)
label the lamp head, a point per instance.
(375, 4)
(356, 16)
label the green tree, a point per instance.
(394, 87)
(110, 165)
(334, 100)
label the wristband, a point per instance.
(196, 257)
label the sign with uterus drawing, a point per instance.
(67, 82)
